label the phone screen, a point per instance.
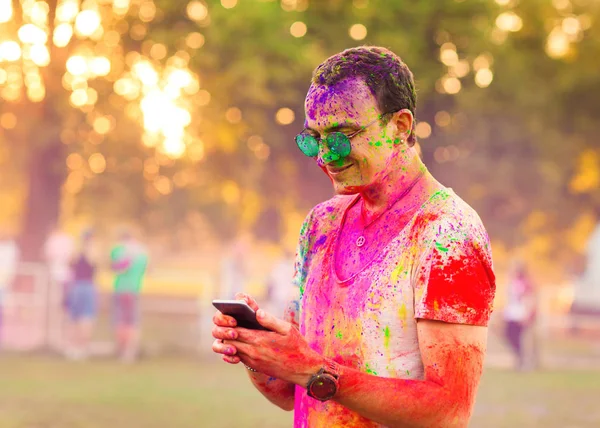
(243, 314)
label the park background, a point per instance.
(176, 119)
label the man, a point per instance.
(395, 271)
(129, 261)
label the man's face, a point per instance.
(347, 107)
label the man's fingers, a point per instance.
(231, 359)
(220, 347)
(242, 349)
(272, 323)
(224, 333)
(248, 299)
(223, 320)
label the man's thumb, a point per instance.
(272, 323)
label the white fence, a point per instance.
(34, 319)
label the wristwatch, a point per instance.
(324, 384)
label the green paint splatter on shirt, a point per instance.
(386, 333)
(369, 370)
(440, 247)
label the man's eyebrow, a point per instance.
(334, 128)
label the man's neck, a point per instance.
(392, 189)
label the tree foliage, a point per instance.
(516, 140)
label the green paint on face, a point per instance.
(378, 144)
(397, 141)
(408, 372)
(440, 247)
(338, 334)
(386, 333)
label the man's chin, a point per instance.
(345, 188)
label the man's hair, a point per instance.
(389, 79)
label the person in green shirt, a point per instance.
(129, 260)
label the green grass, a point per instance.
(46, 392)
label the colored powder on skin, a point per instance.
(338, 334)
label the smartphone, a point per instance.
(243, 314)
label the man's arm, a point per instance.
(453, 357)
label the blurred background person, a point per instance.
(587, 286)
(129, 261)
(81, 300)
(279, 283)
(520, 314)
(59, 250)
(234, 272)
(9, 257)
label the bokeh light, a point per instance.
(228, 4)
(298, 29)
(358, 32)
(196, 10)
(97, 163)
(8, 120)
(87, 22)
(509, 21)
(285, 116)
(423, 130)
(233, 115)
(484, 77)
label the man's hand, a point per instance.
(281, 353)
(225, 329)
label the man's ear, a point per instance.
(403, 120)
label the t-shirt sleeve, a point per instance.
(292, 312)
(302, 250)
(454, 281)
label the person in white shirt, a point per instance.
(9, 256)
(279, 289)
(59, 251)
(587, 293)
(520, 310)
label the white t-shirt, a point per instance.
(9, 256)
(59, 251)
(439, 267)
(587, 291)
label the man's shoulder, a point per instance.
(447, 208)
(448, 216)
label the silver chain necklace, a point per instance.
(361, 240)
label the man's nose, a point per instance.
(325, 155)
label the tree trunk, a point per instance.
(46, 176)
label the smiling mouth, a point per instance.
(338, 170)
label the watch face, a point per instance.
(323, 387)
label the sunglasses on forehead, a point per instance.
(337, 142)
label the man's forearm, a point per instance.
(277, 391)
(401, 402)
